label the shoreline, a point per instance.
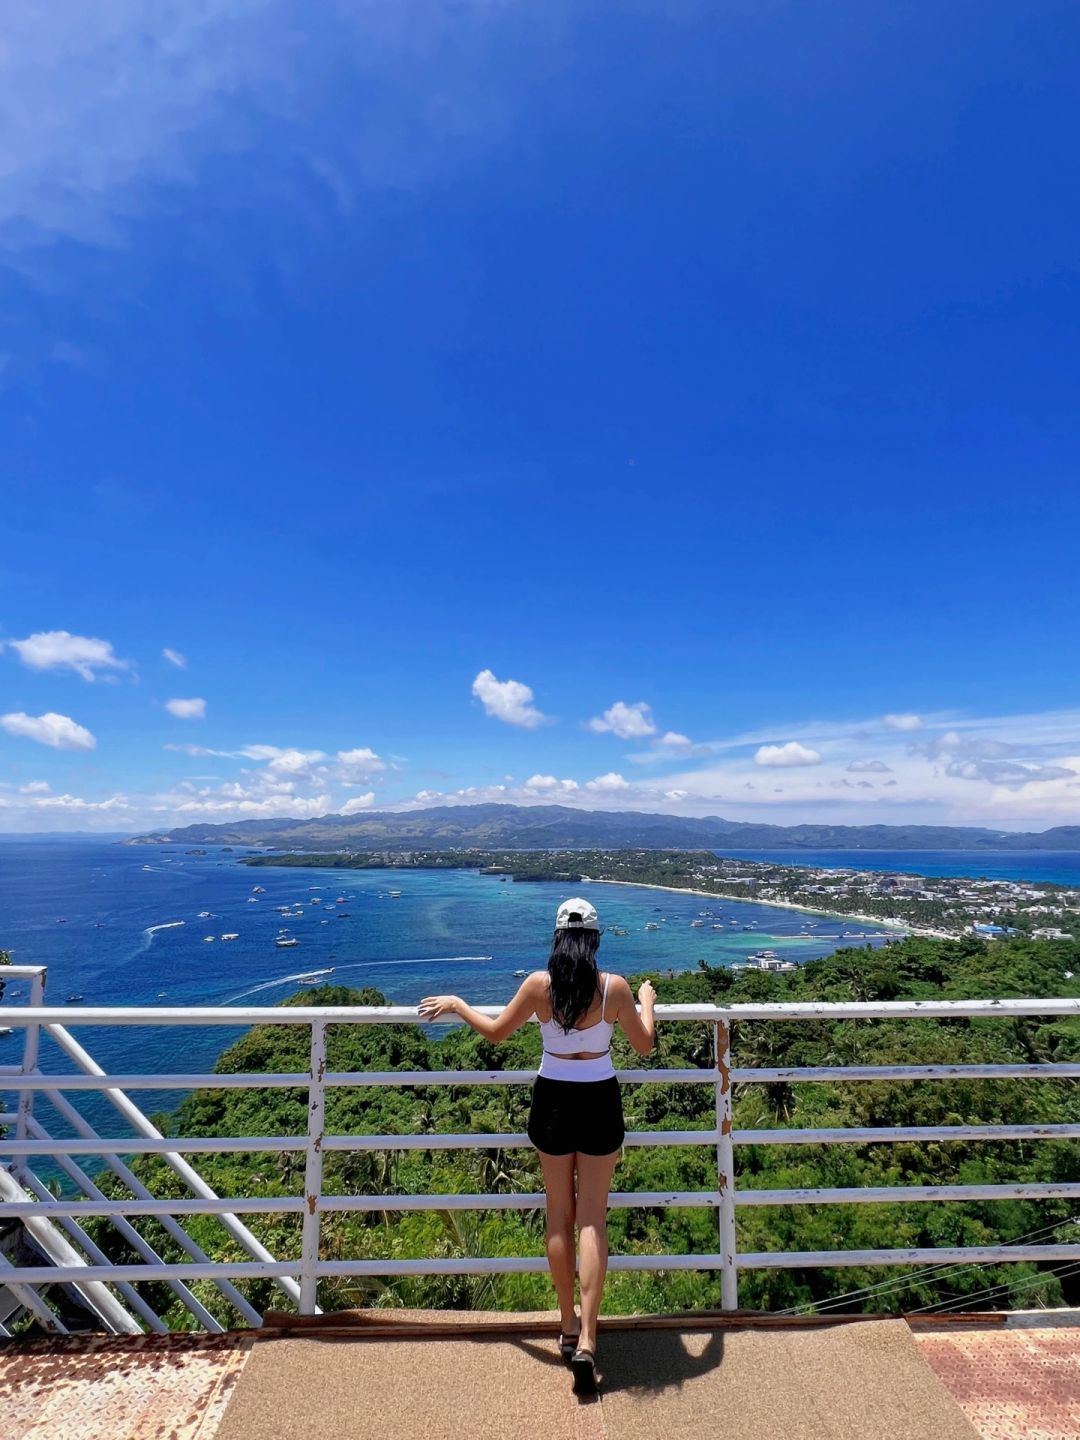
(898, 925)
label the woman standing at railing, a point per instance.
(576, 1119)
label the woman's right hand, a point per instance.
(646, 993)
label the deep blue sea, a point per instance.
(121, 925)
(1061, 867)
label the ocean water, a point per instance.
(1060, 867)
(120, 925)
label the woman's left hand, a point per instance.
(432, 1006)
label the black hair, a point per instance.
(575, 979)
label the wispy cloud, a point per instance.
(174, 657)
(108, 108)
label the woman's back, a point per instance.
(592, 1032)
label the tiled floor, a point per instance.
(1013, 1383)
(153, 1387)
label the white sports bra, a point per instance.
(559, 1043)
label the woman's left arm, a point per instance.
(520, 1009)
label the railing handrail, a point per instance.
(718, 1072)
(242, 1015)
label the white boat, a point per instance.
(286, 942)
(5, 1030)
(232, 935)
(651, 925)
(208, 938)
(253, 899)
(206, 915)
(696, 924)
(316, 900)
(258, 889)
(520, 974)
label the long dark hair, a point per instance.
(575, 979)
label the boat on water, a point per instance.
(340, 900)
(316, 899)
(208, 938)
(5, 1030)
(520, 974)
(258, 889)
(206, 914)
(75, 999)
(342, 914)
(286, 942)
(312, 977)
(253, 899)
(651, 925)
(232, 935)
(765, 960)
(617, 930)
(696, 924)
(394, 894)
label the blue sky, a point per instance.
(713, 359)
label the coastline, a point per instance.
(901, 926)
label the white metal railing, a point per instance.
(299, 1276)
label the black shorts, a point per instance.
(576, 1116)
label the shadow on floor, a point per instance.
(641, 1362)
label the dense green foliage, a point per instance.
(915, 968)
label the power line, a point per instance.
(899, 1282)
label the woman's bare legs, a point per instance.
(558, 1173)
(594, 1181)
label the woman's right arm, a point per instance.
(639, 1029)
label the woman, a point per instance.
(576, 1119)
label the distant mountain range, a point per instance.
(548, 827)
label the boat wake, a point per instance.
(354, 965)
(168, 925)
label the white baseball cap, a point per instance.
(576, 915)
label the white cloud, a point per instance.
(60, 650)
(902, 722)
(175, 658)
(58, 731)
(358, 764)
(672, 740)
(869, 767)
(35, 787)
(549, 784)
(507, 700)
(187, 709)
(628, 722)
(199, 750)
(608, 783)
(74, 802)
(357, 803)
(291, 761)
(675, 794)
(790, 754)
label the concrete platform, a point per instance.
(436, 1374)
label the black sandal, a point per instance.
(568, 1344)
(583, 1364)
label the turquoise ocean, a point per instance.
(121, 925)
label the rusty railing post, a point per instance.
(725, 1168)
(313, 1171)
